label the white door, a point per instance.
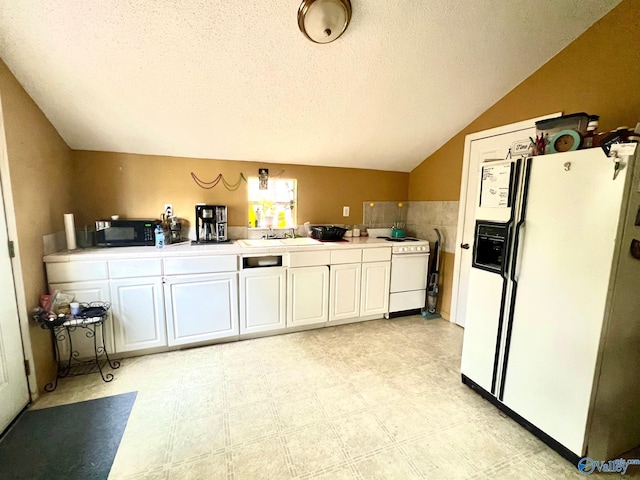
(344, 291)
(138, 314)
(307, 295)
(374, 297)
(14, 390)
(86, 292)
(201, 307)
(263, 299)
(490, 144)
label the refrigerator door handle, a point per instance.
(513, 276)
(521, 221)
(515, 273)
(505, 275)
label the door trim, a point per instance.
(18, 280)
(466, 160)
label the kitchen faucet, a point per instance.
(269, 234)
(290, 233)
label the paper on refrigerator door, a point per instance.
(495, 186)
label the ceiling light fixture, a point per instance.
(323, 21)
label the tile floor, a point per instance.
(373, 400)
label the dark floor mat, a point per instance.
(76, 441)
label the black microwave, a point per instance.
(125, 233)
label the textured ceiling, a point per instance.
(237, 80)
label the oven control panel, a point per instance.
(411, 249)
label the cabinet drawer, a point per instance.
(147, 267)
(188, 265)
(309, 259)
(76, 271)
(351, 255)
(376, 254)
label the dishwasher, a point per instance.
(263, 288)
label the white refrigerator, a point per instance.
(552, 327)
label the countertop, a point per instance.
(187, 249)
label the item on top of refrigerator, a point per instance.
(565, 141)
(587, 141)
(574, 121)
(619, 135)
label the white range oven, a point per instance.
(409, 272)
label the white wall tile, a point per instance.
(424, 217)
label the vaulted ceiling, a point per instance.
(237, 80)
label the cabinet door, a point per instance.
(86, 292)
(307, 295)
(344, 291)
(375, 288)
(138, 313)
(201, 307)
(262, 299)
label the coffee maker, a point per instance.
(211, 223)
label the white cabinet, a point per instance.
(360, 290)
(375, 288)
(344, 291)
(307, 295)
(262, 299)
(68, 272)
(86, 292)
(166, 301)
(137, 310)
(201, 307)
(196, 301)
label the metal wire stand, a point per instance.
(73, 366)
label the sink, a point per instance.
(278, 242)
(301, 241)
(264, 243)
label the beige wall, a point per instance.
(138, 186)
(599, 73)
(40, 169)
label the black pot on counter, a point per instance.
(327, 234)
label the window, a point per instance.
(274, 207)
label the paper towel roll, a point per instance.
(70, 231)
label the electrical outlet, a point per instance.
(345, 211)
(168, 210)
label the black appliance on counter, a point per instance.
(211, 224)
(125, 233)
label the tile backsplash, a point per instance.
(421, 219)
